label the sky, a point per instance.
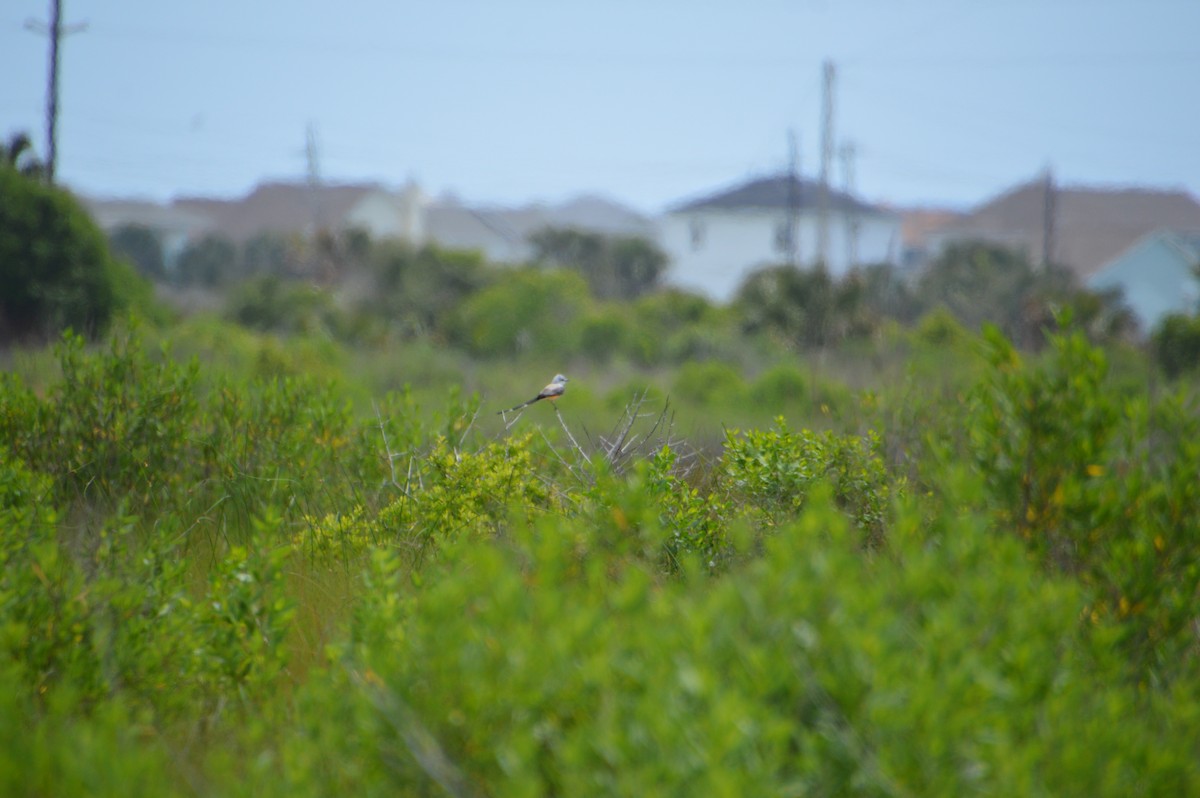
(645, 102)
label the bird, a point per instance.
(552, 391)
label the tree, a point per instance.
(420, 288)
(209, 262)
(140, 246)
(17, 153)
(615, 267)
(267, 253)
(1176, 344)
(56, 270)
(525, 311)
(805, 308)
(980, 282)
(887, 294)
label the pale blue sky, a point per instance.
(647, 102)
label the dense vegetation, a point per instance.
(973, 580)
(295, 551)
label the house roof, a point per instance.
(778, 192)
(282, 207)
(1091, 225)
(916, 224)
(113, 213)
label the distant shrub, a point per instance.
(209, 262)
(781, 387)
(603, 335)
(1176, 344)
(524, 311)
(272, 303)
(709, 383)
(140, 246)
(940, 327)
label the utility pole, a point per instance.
(313, 166)
(847, 152)
(1048, 214)
(791, 226)
(55, 31)
(827, 78)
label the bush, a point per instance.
(709, 383)
(55, 265)
(209, 262)
(418, 291)
(525, 311)
(782, 387)
(774, 472)
(1176, 344)
(1100, 486)
(272, 303)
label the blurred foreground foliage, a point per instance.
(239, 582)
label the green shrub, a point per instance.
(603, 335)
(537, 664)
(116, 426)
(782, 387)
(525, 311)
(939, 327)
(775, 471)
(271, 303)
(709, 383)
(1099, 486)
(55, 265)
(1176, 344)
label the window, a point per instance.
(698, 233)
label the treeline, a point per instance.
(583, 293)
(606, 296)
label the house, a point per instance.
(300, 209)
(291, 208)
(502, 234)
(175, 227)
(1081, 228)
(916, 227)
(714, 242)
(1158, 275)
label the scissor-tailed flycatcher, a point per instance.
(552, 391)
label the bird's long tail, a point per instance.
(518, 407)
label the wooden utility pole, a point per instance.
(827, 78)
(847, 152)
(791, 226)
(55, 31)
(1048, 215)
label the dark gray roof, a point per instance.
(777, 192)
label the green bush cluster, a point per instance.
(55, 265)
(530, 665)
(213, 584)
(112, 615)
(1099, 486)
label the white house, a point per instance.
(1157, 275)
(714, 242)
